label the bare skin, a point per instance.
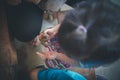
(88, 73)
(52, 31)
(48, 32)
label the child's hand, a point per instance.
(50, 32)
(46, 35)
(47, 55)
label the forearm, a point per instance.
(56, 28)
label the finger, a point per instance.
(47, 30)
(38, 53)
(49, 33)
(51, 53)
(41, 35)
(41, 55)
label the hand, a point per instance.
(47, 55)
(49, 33)
(45, 36)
